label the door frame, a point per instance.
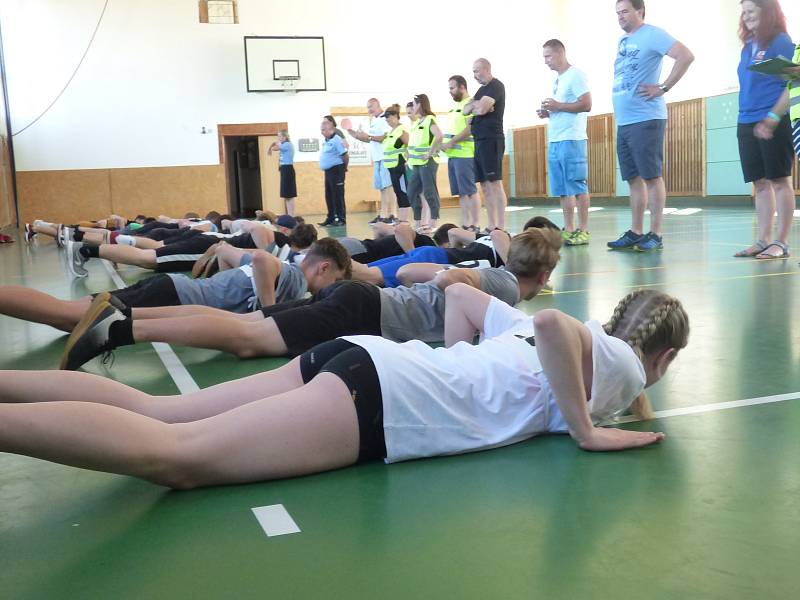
(242, 129)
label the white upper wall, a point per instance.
(155, 76)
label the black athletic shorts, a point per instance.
(158, 290)
(766, 159)
(342, 308)
(181, 255)
(489, 159)
(353, 365)
(387, 246)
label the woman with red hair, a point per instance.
(767, 163)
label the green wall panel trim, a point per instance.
(725, 179)
(722, 145)
(722, 111)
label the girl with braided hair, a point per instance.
(362, 398)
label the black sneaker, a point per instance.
(91, 337)
(377, 219)
(326, 223)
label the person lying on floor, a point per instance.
(343, 308)
(175, 254)
(363, 398)
(261, 276)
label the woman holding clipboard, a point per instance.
(767, 163)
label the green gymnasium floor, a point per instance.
(712, 512)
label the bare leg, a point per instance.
(657, 193)
(45, 229)
(784, 199)
(765, 208)
(32, 305)
(500, 204)
(474, 209)
(638, 204)
(568, 208)
(583, 211)
(64, 386)
(190, 310)
(308, 430)
(229, 334)
(289, 203)
(128, 255)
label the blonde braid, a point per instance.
(619, 311)
(642, 335)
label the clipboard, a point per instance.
(773, 66)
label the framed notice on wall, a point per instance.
(359, 151)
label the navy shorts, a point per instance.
(640, 149)
(461, 172)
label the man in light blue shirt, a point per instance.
(333, 160)
(641, 115)
(567, 147)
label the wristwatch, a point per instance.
(664, 88)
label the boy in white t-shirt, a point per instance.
(362, 398)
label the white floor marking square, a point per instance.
(667, 211)
(685, 212)
(591, 209)
(275, 520)
(518, 208)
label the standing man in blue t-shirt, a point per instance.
(333, 160)
(487, 107)
(567, 142)
(641, 115)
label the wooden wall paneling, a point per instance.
(684, 149)
(7, 211)
(172, 191)
(602, 155)
(530, 161)
(64, 196)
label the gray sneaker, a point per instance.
(91, 336)
(75, 260)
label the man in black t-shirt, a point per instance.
(488, 106)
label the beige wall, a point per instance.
(65, 196)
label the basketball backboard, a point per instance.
(272, 61)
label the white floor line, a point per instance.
(172, 363)
(707, 408)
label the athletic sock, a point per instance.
(126, 240)
(77, 236)
(88, 252)
(121, 333)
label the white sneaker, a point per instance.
(75, 260)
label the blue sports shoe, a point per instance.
(649, 241)
(626, 241)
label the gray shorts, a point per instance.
(461, 172)
(640, 149)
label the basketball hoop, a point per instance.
(289, 83)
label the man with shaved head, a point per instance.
(487, 108)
